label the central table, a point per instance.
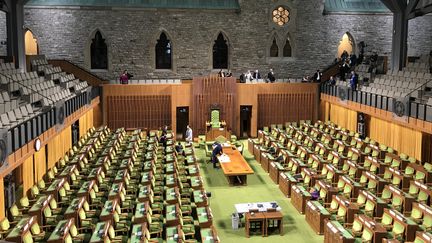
(234, 166)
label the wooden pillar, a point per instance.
(2, 200)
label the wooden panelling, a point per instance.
(86, 122)
(281, 108)
(213, 93)
(413, 123)
(149, 111)
(2, 199)
(247, 94)
(404, 137)
(40, 164)
(28, 176)
(18, 157)
(343, 117)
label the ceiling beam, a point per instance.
(412, 5)
(420, 12)
(395, 5)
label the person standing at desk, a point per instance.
(217, 150)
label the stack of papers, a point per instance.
(224, 158)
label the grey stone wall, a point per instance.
(420, 35)
(131, 36)
(3, 34)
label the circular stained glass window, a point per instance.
(280, 15)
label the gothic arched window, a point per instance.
(274, 49)
(163, 52)
(287, 49)
(220, 53)
(99, 52)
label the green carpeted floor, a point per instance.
(260, 188)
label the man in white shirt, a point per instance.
(189, 134)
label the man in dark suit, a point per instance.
(317, 76)
(256, 75)
(217, 150)
(270, 76)
(353, 80)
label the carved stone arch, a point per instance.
(87, 50)
(154, 42)
(347, 42)
(31, 43)
(229, 46)
(288, 36)
(274, 37)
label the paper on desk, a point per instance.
(224, 158)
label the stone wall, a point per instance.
(3, 34)
(131, 37)
(420, 35)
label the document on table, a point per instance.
(224, 158)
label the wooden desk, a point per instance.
(85, 189)
(174, 234)
(286, 181)
(213, 133)
(378, 231)
(237, 170)
(61, 231)
(193, 170)
(100, 233)
(141, 211)
(54, 188)
(172, 215)
(144, 193)
(21, 229)
(315, 216)
(275, 169)
(200, 198)
(139, 232)
(74, 207)
(121, 176)
(270, 219)
(205, 217)
(255, 218)
(171, 180)
(334, 232)
(209, 235)
(410, 227)
(115, 190)
(171, 195)
(196, 182)
(108, 210)
(299, 197)
(39, 206)
(68, 171)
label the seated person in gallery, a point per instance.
(221, 73)
(217, 150)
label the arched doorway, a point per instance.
(346, 44)
(31, 45)
(220, 52)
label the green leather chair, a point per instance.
(215, 119)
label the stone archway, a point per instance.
(31, 44)
(347, 43)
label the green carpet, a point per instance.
(260, 188)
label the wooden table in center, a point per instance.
(237, 169)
